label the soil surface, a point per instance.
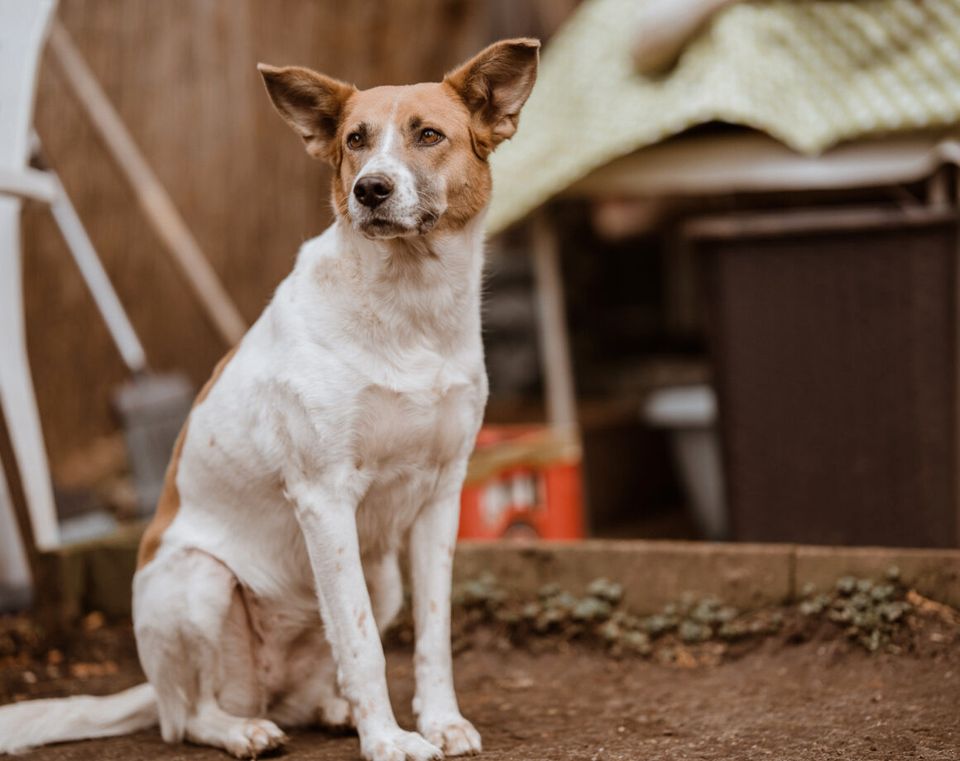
(819, 698)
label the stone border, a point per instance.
(654, 573)
(933, 573)
(97, 576)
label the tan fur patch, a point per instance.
(169, 502)
(409, 109)
(474, 108)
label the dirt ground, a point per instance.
(821, 699)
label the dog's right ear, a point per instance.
(309, 102)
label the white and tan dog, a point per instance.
(336, 433)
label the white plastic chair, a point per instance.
(23, 29)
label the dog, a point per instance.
(334, 436)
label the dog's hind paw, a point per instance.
(254, 737)
(334, 713)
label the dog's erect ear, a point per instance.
(309, 102)
(495, 84)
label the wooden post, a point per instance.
(554, 339)
(956, 359)
(150, 193)
(938, 191)
(939, 197)
(683, 311)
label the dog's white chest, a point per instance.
(412, 428)
(405, 441)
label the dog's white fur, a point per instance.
(368, 422)
(339, 429)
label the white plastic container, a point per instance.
(689, 413)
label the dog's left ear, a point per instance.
(495, 84)
(309, 102)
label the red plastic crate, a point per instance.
(523, 482)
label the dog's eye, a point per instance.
(354, 141)
(430, 137)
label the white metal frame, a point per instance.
(23, 29)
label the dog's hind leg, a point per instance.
(385, 584)
(196, 648)
(314, 697)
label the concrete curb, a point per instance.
(98, 575)
(654, 573)
(934, 573)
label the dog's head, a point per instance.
(409, 159)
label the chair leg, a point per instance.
(19, 557)
(16, 386)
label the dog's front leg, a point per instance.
(330, 529)
(432, 541)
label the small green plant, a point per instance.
(599, 616)
(870, 612)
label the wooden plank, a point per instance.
(149, 191)
(758, 225)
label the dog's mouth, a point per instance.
(381, 226)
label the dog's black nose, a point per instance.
(373, 190)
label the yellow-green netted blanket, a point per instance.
(811, 73)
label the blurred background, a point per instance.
(722, 290)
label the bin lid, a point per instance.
(681, 407)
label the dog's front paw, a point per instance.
(397, 745)
(452, 733)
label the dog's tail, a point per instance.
(39, 722)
